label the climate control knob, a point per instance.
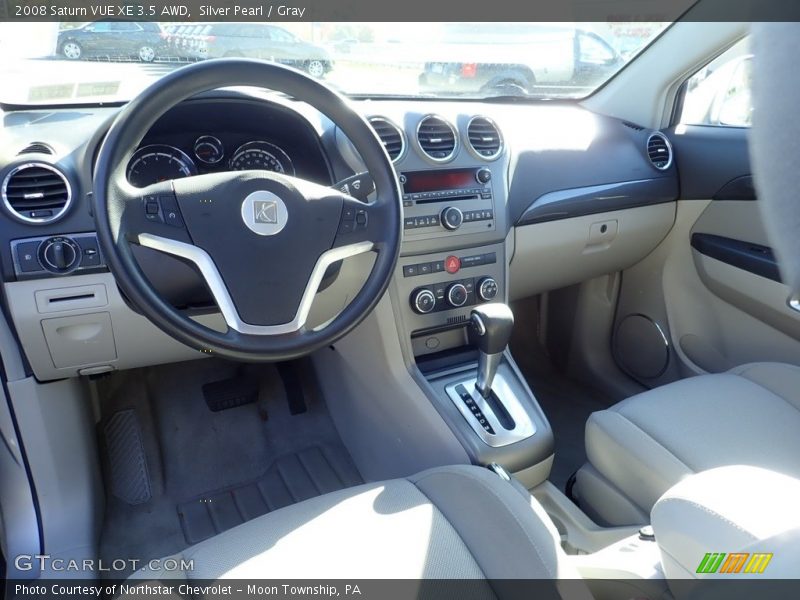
(452, 218)
(59, 254)
(457, 295)
(487, 289)
(423, 301)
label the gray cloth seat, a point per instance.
(642, 446)
(457, 522)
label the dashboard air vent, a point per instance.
(437, 138)
(659, 151)
(485, 138)
(633, 126)
(36, 148)
(36, 192)
(391, 135)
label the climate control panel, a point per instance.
(56, 255)
(450, 295)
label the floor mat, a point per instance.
(292, 478)
(215, 460)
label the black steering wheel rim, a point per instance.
(111, 192)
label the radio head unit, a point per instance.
(439, 201)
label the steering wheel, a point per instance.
(261, 240)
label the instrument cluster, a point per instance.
(153, 163)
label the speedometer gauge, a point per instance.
(262, 156)
(159, 162)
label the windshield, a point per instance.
(111, 61)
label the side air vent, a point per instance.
(36, 148)
(485, 138)
(437, 138)
(391, 135)
(36, 192)
(659, 151)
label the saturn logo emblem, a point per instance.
(264, 213)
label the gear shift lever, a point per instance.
(492, 324)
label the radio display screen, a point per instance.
(433, 181)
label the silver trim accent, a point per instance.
(523, 426)
(445, 222)
(218, 142)
(487, 369)
(487, 281)
(669, 149)
(48, 167)
(222, 297)
(453, 129)
(477, 154)
(403, 139)
(419, 295)
(477, 322)
(450, 292)
(794, 303)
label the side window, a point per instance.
(719, 93)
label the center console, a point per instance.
(454, 266)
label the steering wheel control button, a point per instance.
(264, 213)
(452, 264)
(359, 186)
(170, 210)
(151, 208)
(483, 175)
(452, 218)
(59, 254)
(27, 254)
(423, 301)
(457, 295)
(487, 289)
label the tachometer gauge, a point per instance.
(261, 156)
(159, 162)
(208, 149)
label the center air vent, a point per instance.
(391, 135)
(485, 138)
(659, 151)
(36, 192)
(437, 138)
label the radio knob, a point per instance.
(423, 301)
(452, 218)
(487, 289)
(483, 175)
(457, 295)
(59, 254)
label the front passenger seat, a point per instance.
(459, 522)
(642, 446)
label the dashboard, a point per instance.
(483, 188)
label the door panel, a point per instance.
(712, 286)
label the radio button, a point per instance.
(483, 175)
(452, 218)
